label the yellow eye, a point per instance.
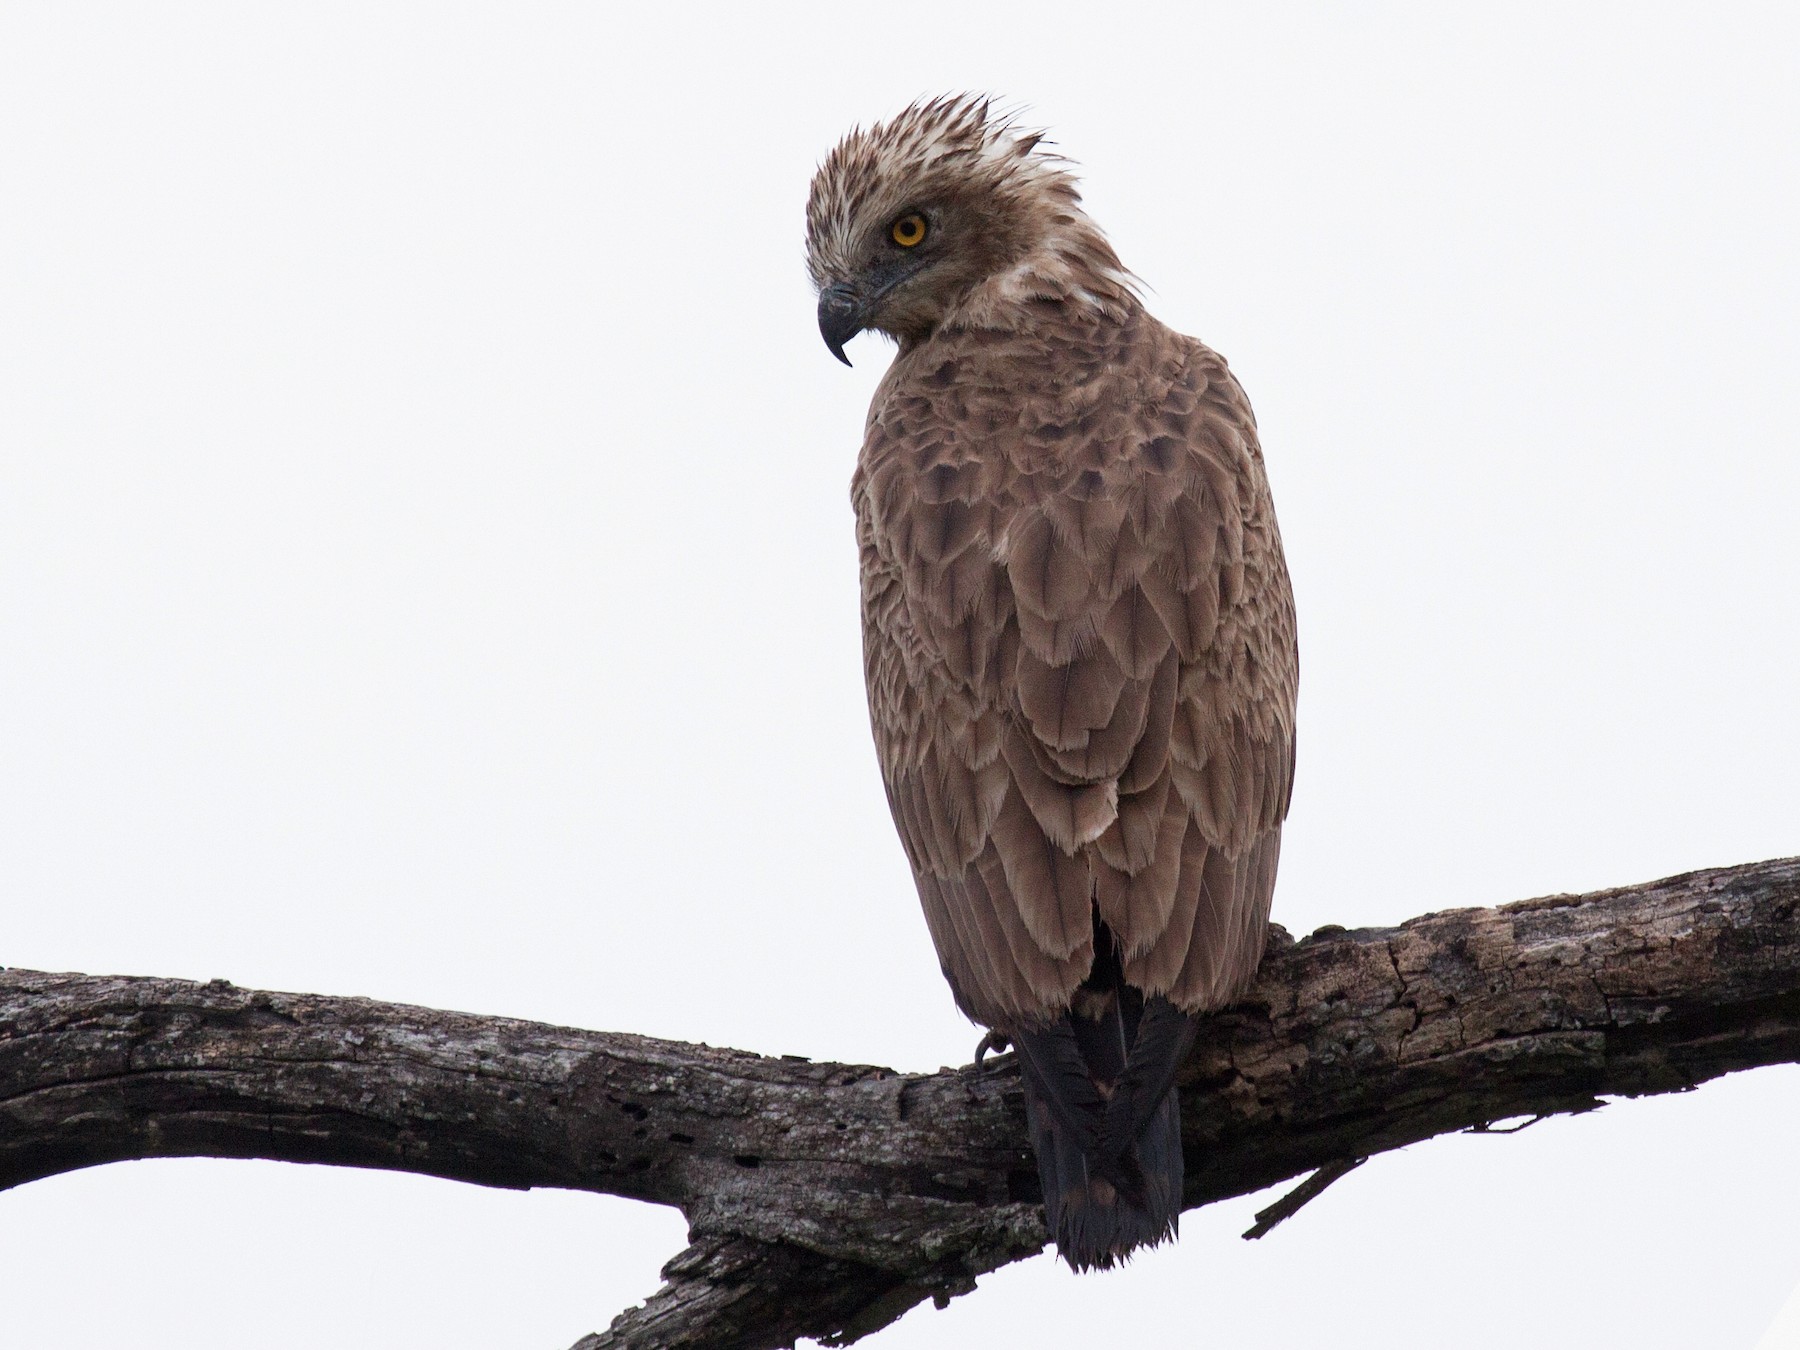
(908, 231)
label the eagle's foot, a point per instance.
(994, 1043)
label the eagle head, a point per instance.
(949, 213)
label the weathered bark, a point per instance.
(825, 1199)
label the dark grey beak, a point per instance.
(840, 318)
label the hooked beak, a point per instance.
(841, 316)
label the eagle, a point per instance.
(1078, 638)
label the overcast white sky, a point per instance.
(426, 572)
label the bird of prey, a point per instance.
(1078, 637)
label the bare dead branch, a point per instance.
(826, 1199)
(1488, 1128)
(1289, 1204)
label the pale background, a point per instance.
(426, 572)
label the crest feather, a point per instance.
(963, 142)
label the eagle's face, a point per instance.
(910, 256)
(909, 265)
(906, 220)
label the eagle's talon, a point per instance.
(994, 1043)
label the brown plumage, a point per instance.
(1078, 637)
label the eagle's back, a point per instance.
(1079, 645)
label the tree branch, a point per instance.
(826, 1199)
(1306, 1192)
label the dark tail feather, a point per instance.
(1105, 1122)
(1164, 1037)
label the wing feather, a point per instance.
(1042, 977)
(964, 971)
(1068, 814)
(1134, 632)
(1129, 844)
(1137, 905)
(1052, 889)
(1154, 970)
(1066, 701)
